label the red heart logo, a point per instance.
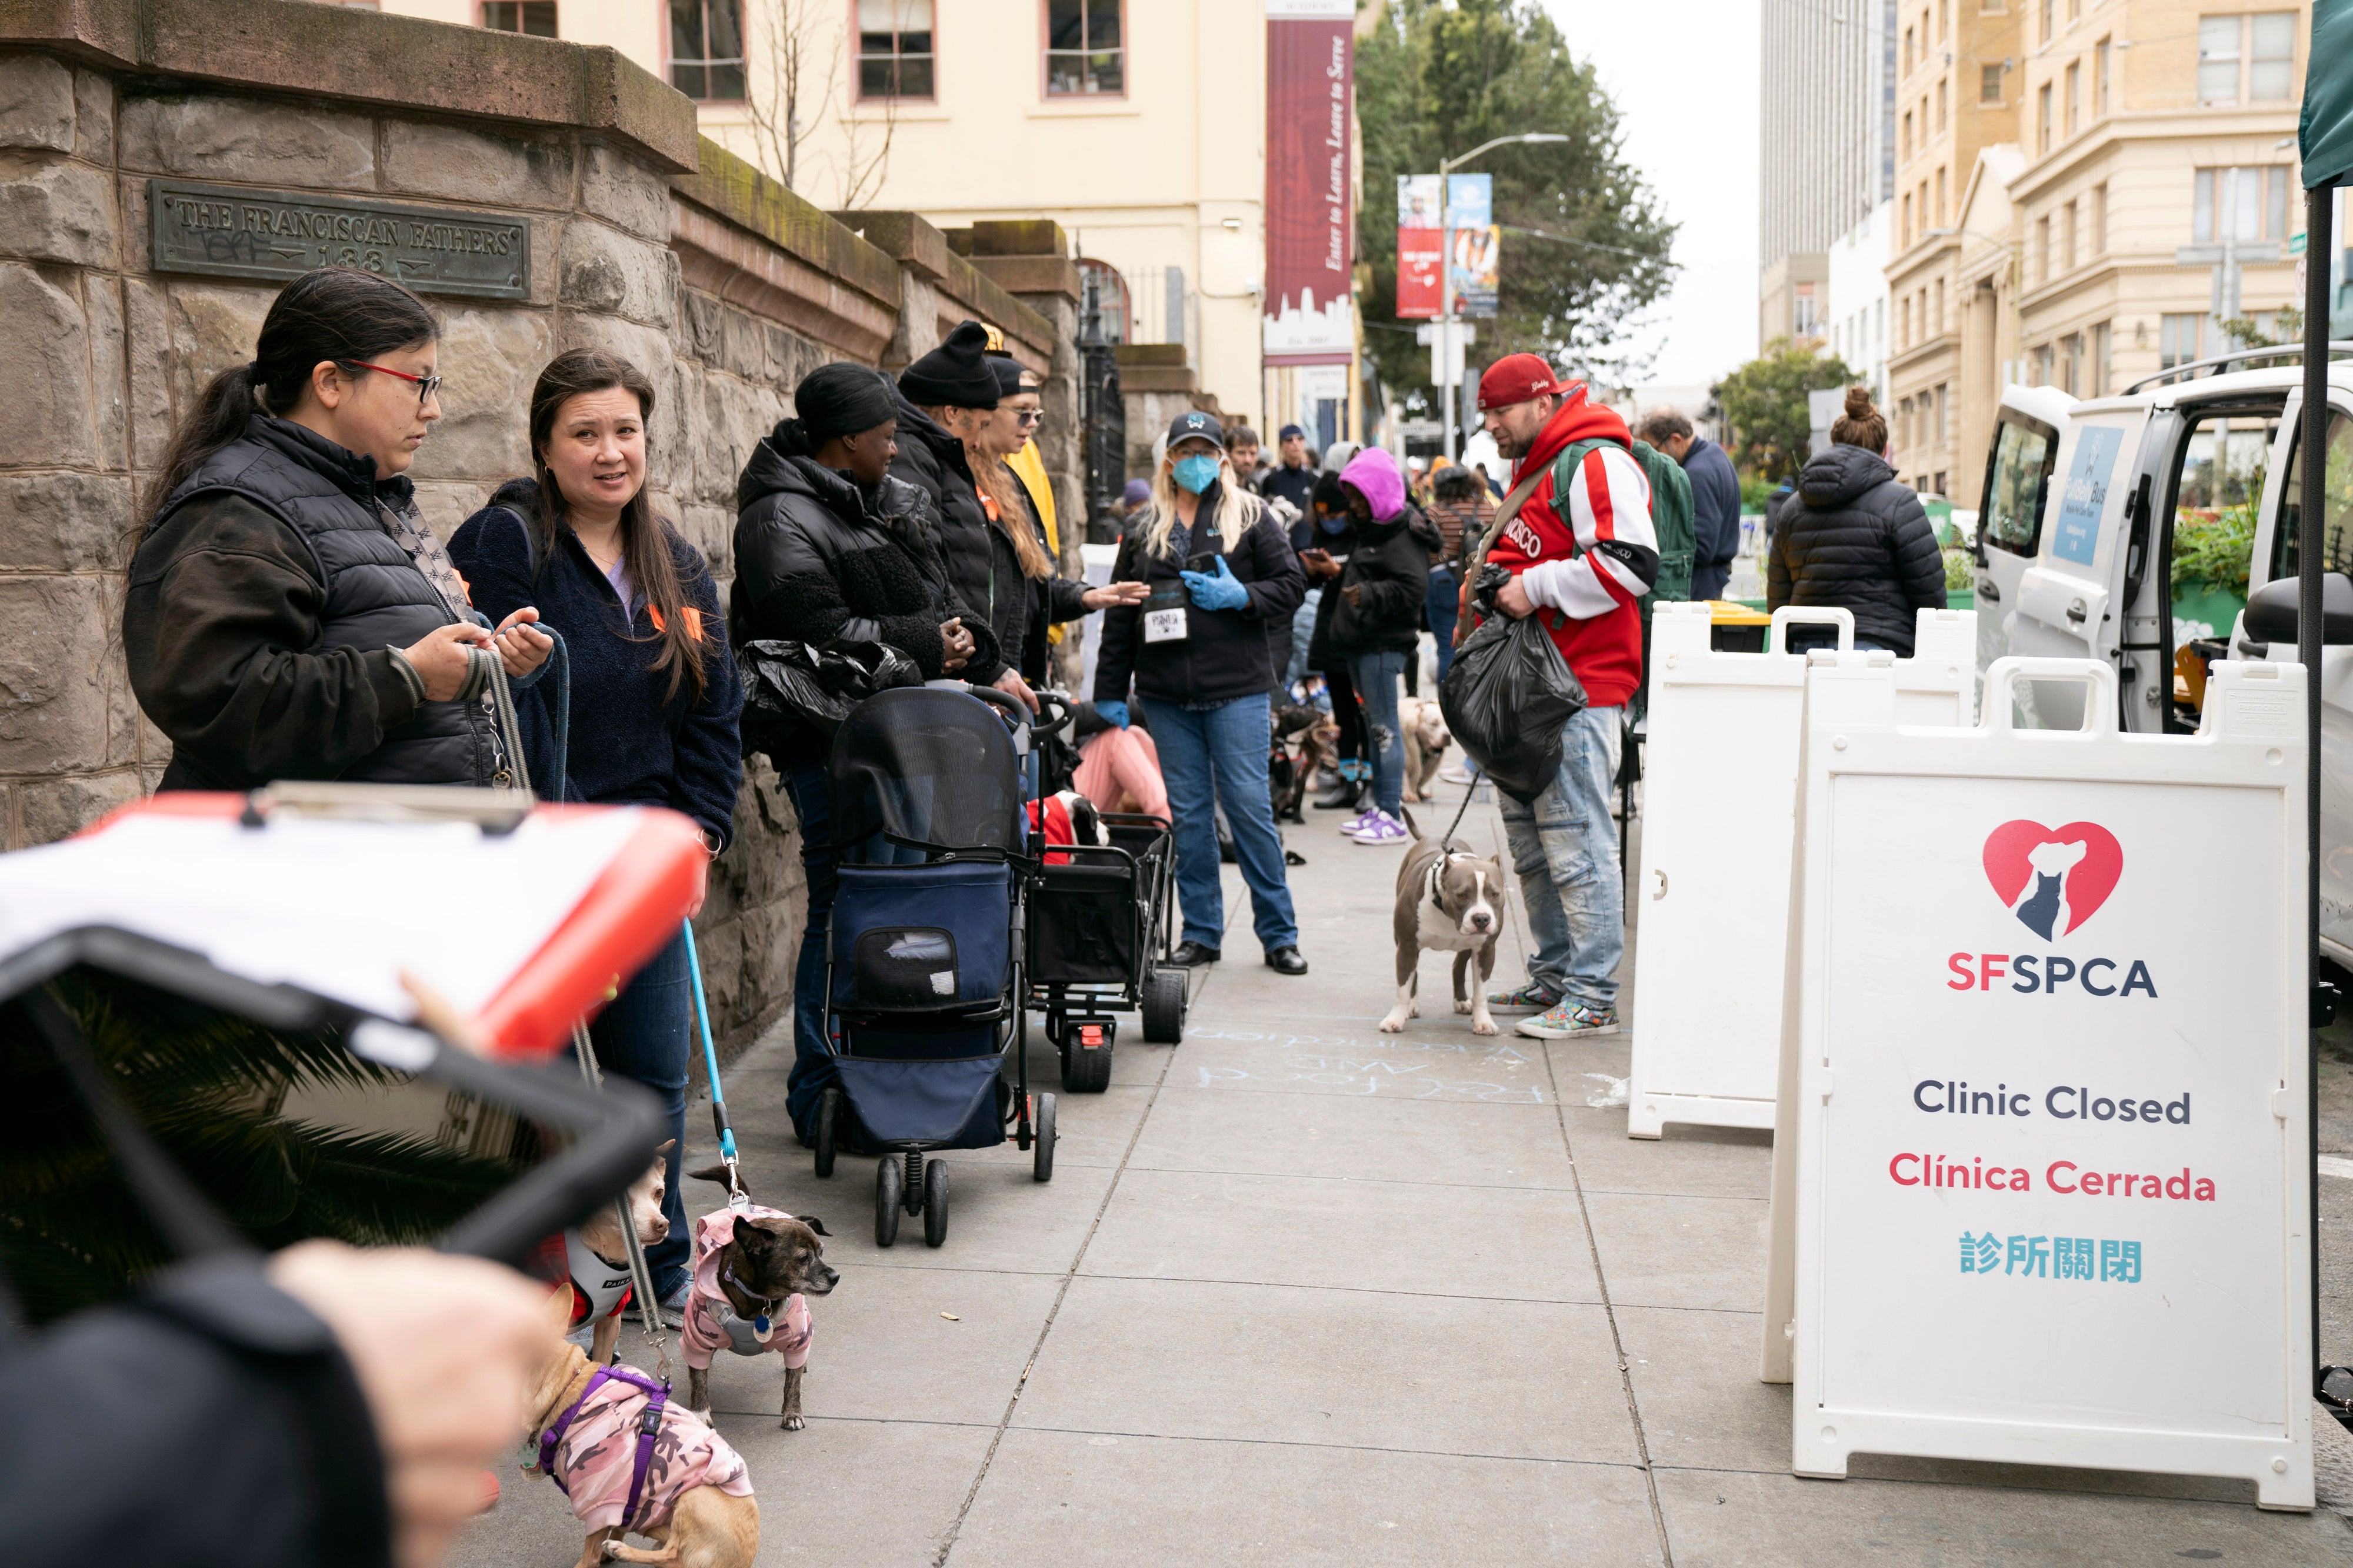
(2049, 875)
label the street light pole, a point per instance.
(1446, 167)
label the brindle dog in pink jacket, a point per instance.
(754, 1268)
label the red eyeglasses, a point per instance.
(426, 386)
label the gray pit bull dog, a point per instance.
(1449, 898)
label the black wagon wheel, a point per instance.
(1164, 1005)
(935, 1204)
(888, 1196)
(1085, 1069)
(1041, 1155)
(828, 1110)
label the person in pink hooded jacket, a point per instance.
(1377, 625)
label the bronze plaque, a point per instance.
(279, 235)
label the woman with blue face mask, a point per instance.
(1217, 570)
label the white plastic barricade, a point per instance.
(1719, 778)
(2042, 1195)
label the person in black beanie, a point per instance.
(830, 543)
(944, 399)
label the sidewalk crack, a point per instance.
(1609, 1310)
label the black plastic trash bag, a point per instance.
(790, 684)
(1507, 694)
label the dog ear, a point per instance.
(815, 1224)
(711, 1173)
(667, 1145)
(1086, 823)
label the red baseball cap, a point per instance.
(1516, 378)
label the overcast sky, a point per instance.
(1684, 77)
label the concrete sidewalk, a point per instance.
(1301, 1292)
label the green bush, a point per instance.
(1961, 570)
(2217, 554)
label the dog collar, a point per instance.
(764, 1319)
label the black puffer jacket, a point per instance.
(1223, 656)
(1389, 568)
(1852, 536)
(932, 460)
(818, 558)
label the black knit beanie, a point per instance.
(954, 376)
(1008, 375)
(835, 400)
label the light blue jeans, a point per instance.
(1303, 632)
(1375, 675)
(1565, 849)
(1209, 757)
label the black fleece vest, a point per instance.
(375, 596)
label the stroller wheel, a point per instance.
(888, 1184)
(1086, 1055)
(1042, 1156)
(935, 1204)
(828, 1107)
(1163, 1006)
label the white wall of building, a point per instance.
(1858, 303)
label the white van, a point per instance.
(2133, 528)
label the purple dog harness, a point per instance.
(648, 1424)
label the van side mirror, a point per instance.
(2271, 610)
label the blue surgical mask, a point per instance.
(1196, 473)
(1334, 524)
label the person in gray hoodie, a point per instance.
(1853, 536)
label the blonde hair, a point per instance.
(993, 477)
(1238, 509)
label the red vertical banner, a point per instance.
(1310, 218)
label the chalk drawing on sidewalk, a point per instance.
(1610, 1095)
(1384, 1065)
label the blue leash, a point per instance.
(736, 1197)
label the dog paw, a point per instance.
(1462, 1004)
(793, 1424)
(1393, 1025)
(1484, 1027)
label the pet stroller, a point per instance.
(1102, 920)
(925, 956)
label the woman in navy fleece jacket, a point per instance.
(655, 695)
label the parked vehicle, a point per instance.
(2135, 529)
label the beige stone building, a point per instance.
(2134, 143)
(1956, 86)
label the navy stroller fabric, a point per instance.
(950, 1104)
(930, 766)
(910, 939)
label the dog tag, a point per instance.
(1164, 625)
(763, 1329)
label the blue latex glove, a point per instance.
(1222, 592)
(1114, 713)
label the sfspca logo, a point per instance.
(2053, 879)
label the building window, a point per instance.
(2042, 361)
(1943, 93)
(2100, 220)
(1907, 136)
(2071, 359)
(1802, 318)
(1083, 52)
(2100, 360)
(1937, 316)
(706, 48)
(2100, 80)
(2043, 119)
(2240, 204)
(1942, 209)
(535, 18)
(2074, 98)
(2179, 338)
(1989, 84)
(1943, 421)
(2049, 27)
(1907, 51)
(894, 49)
(2271, 57)
(1907, 218)
(2067, 237)
(2043, 250)
(2218, 59)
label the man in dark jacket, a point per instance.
(936, 394)
(1716, 498)
(1293, 479)
(1854, 537)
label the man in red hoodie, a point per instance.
(1582, 553)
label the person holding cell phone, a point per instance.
(1217, 570)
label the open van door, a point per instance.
(2071, 600)
(2026, 435)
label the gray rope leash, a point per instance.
(649, 1317)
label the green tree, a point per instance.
(1765, 405)
(1434, 81)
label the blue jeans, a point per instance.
(643, 1034)
(1374, 675)
(1303, 632)
(1439, 607)
(1209, 755)
(1565, 849)
(812, 1062)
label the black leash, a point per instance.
(1468, 791)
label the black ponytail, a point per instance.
(337, 313)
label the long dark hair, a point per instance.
(335, 313)
(646, 540)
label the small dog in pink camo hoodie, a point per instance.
(754, 1268)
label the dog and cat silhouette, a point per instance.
(2042, 906)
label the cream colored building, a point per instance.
(2135, 129)
(1138, 125)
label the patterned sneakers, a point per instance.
(1533, 996)
(1570, 1021)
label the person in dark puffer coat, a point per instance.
(1854, 537)
(829, 543)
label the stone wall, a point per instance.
(644, 238)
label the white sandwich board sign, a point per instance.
(2046, 1198)
(1719, 782)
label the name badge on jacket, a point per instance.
(1164, 616)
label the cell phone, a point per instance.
(1202, 560)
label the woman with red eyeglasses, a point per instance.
(289, 615)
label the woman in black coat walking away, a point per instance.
(1852, 536)
(655, 697)
(829, 543)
